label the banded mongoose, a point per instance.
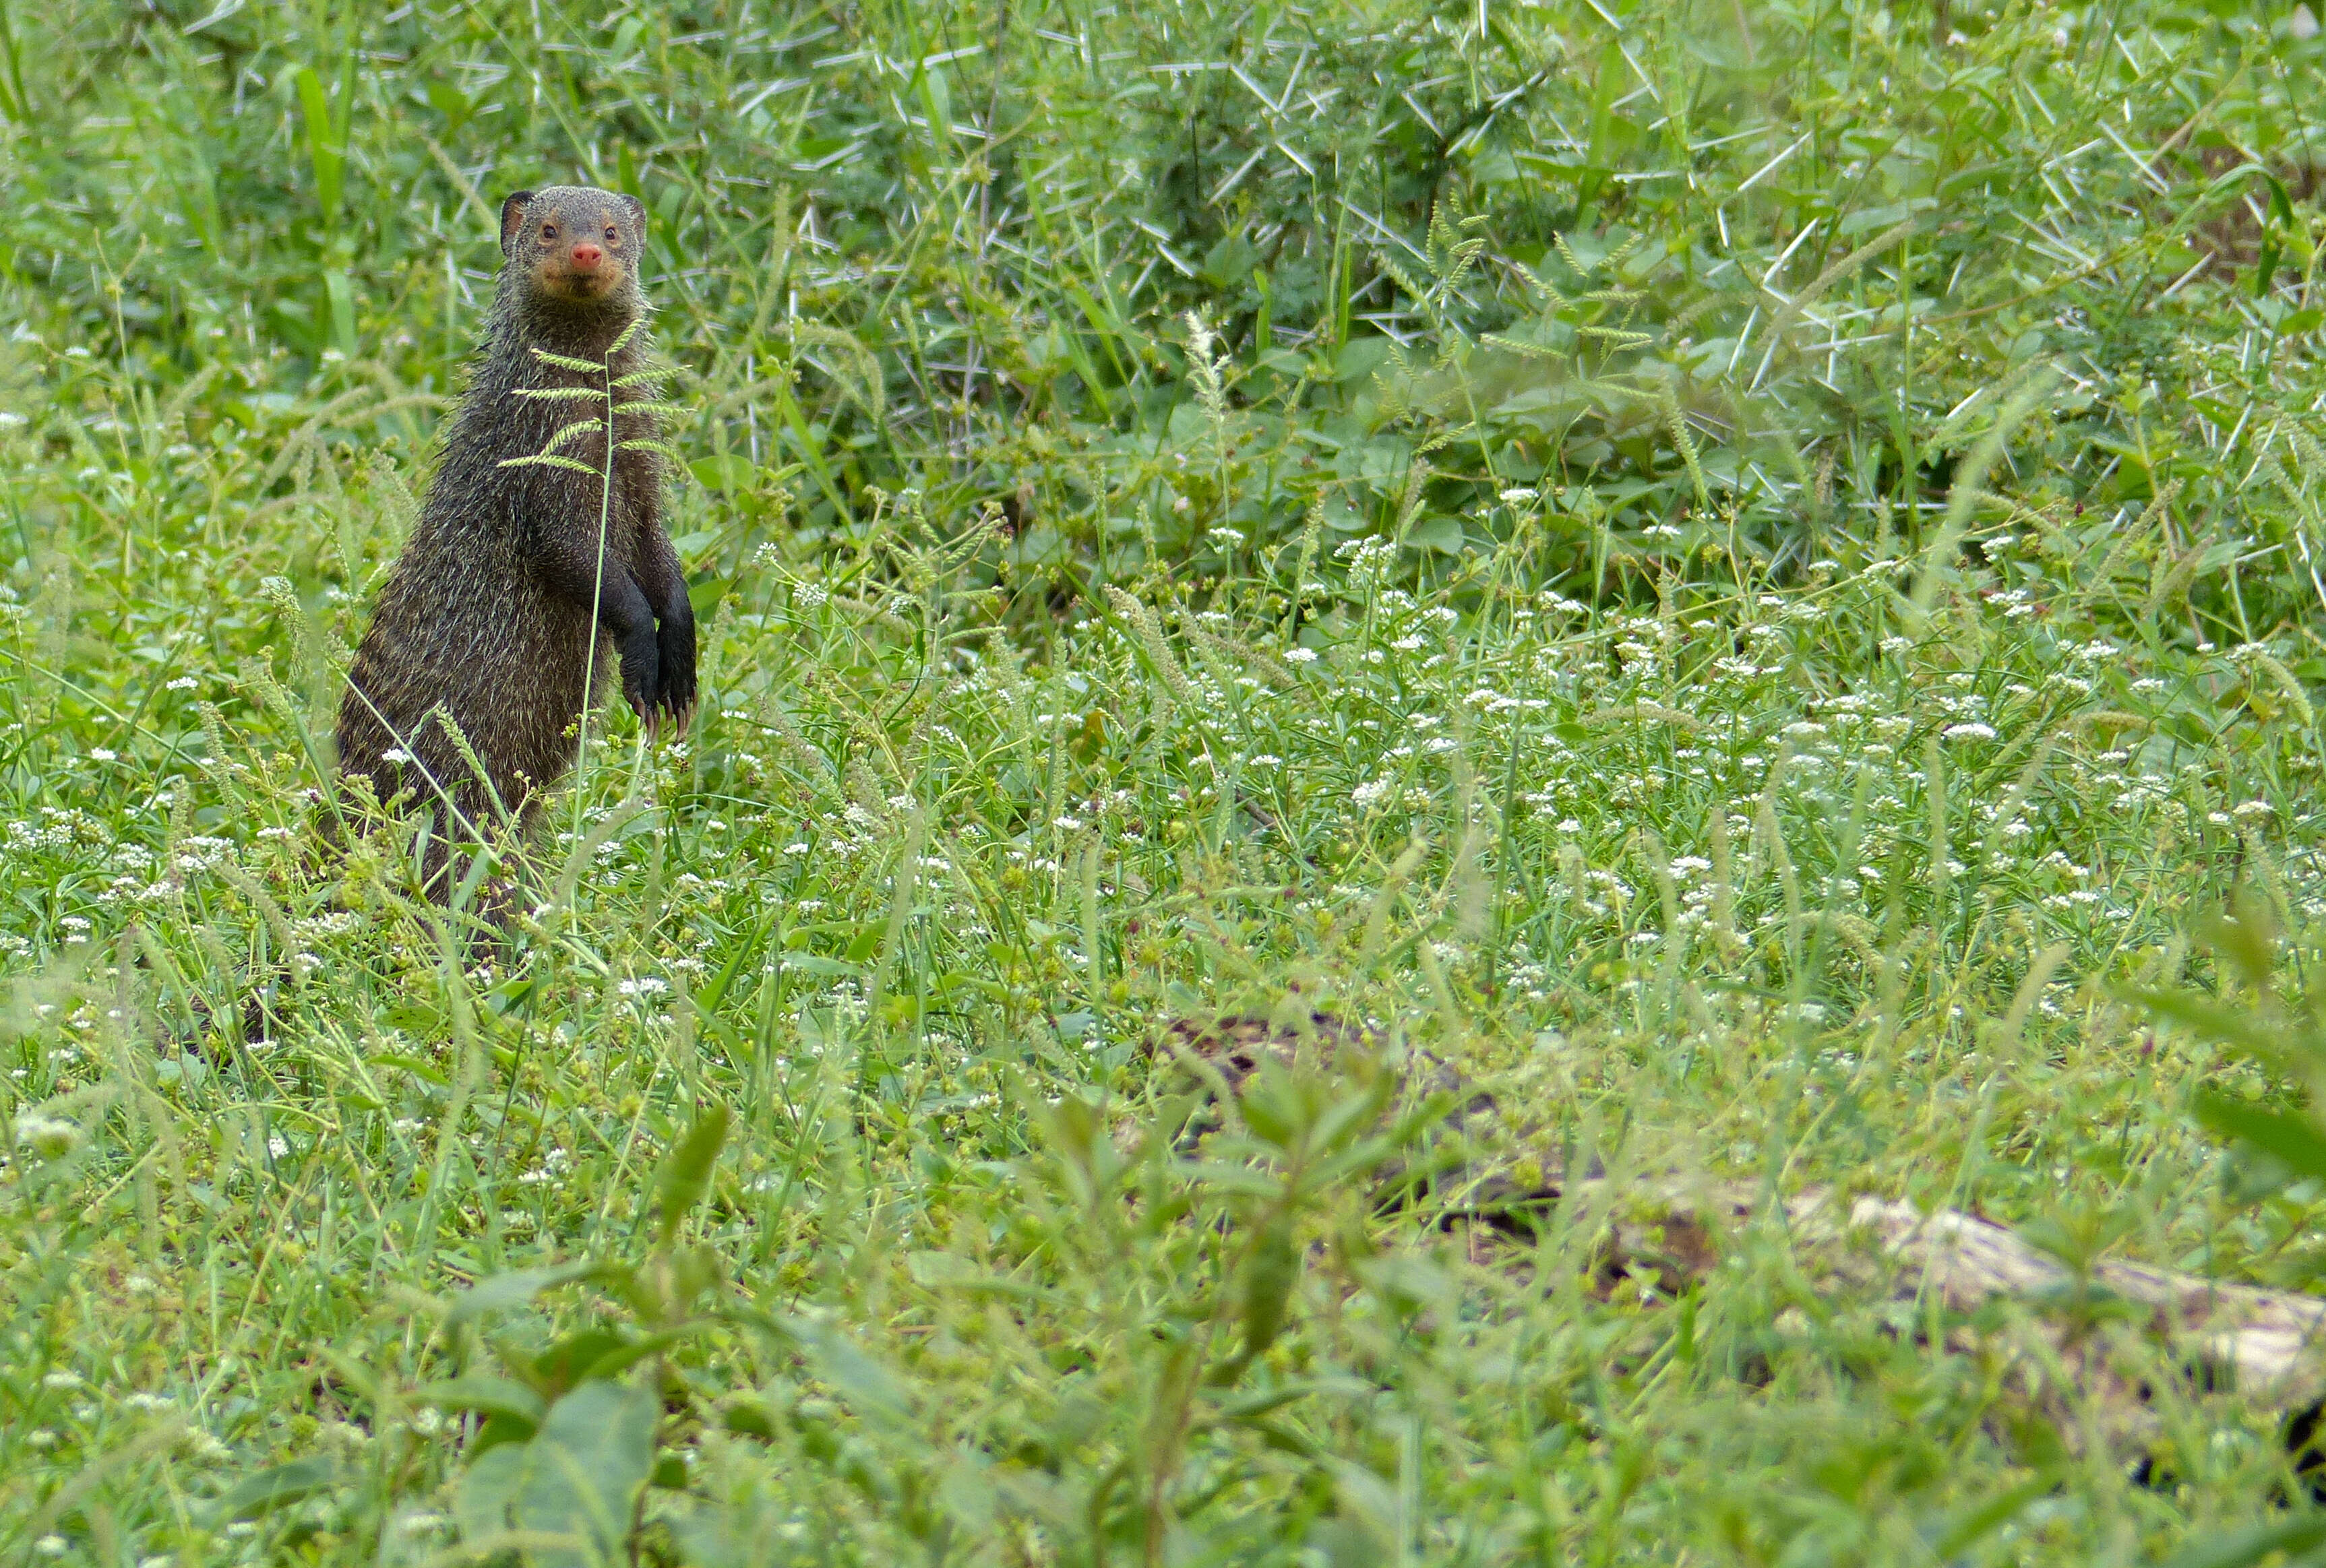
(488, 615)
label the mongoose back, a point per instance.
(488, 616)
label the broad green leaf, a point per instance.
(621, 1357)
(1269, 1277)
(502, 1291)
(2295, 1141)
(1442, 535)
(570, 1358)
(2212, 1020)
(482, 1505)
(686, 1173)
(492, 1395)
(840, 1362)
(326, 143)
(1977, 1524)
(584, 1471)
(2289, 1537)
(273, 1488)
(723, 472)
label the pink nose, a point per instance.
(586, 255)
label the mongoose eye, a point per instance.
(549, 231)
(610, 233)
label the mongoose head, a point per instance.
(573, 245)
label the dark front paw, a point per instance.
(642, 679)
(678, 649)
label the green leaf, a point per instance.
(840, 1362)
(576, 1482)
(723, 472)
(572, 1359)
(491, 1395)
(499, 1430)
(273, 1488)
(2213, 1550)
(2211, 1021)
(1269, 1275)
(704, 594)
(686, 1173)
(505, 997)
(1975, 1525)
(480, 1507)
(749, 1417)
(326, 146)
(709, 998)
(1443, 535)
(503, 1291)
(2295, 1141)
(623, 1357)
(582, 1474)
(450, 102)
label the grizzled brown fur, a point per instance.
(487, 614)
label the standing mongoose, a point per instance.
(489, 616)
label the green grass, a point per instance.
(1745, 576)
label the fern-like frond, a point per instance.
(559, 394)
(1513, 345)
(665, 447)
(566, 362)
(1676, 421)
(578, 426)
(669, 410)
(1414, 287)
(548, 460)
(1616, 337)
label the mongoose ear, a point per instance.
(637, 211)
(512, 216)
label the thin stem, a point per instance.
(597, 595)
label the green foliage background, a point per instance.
(1741, 575)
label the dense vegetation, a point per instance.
(1745, 578)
